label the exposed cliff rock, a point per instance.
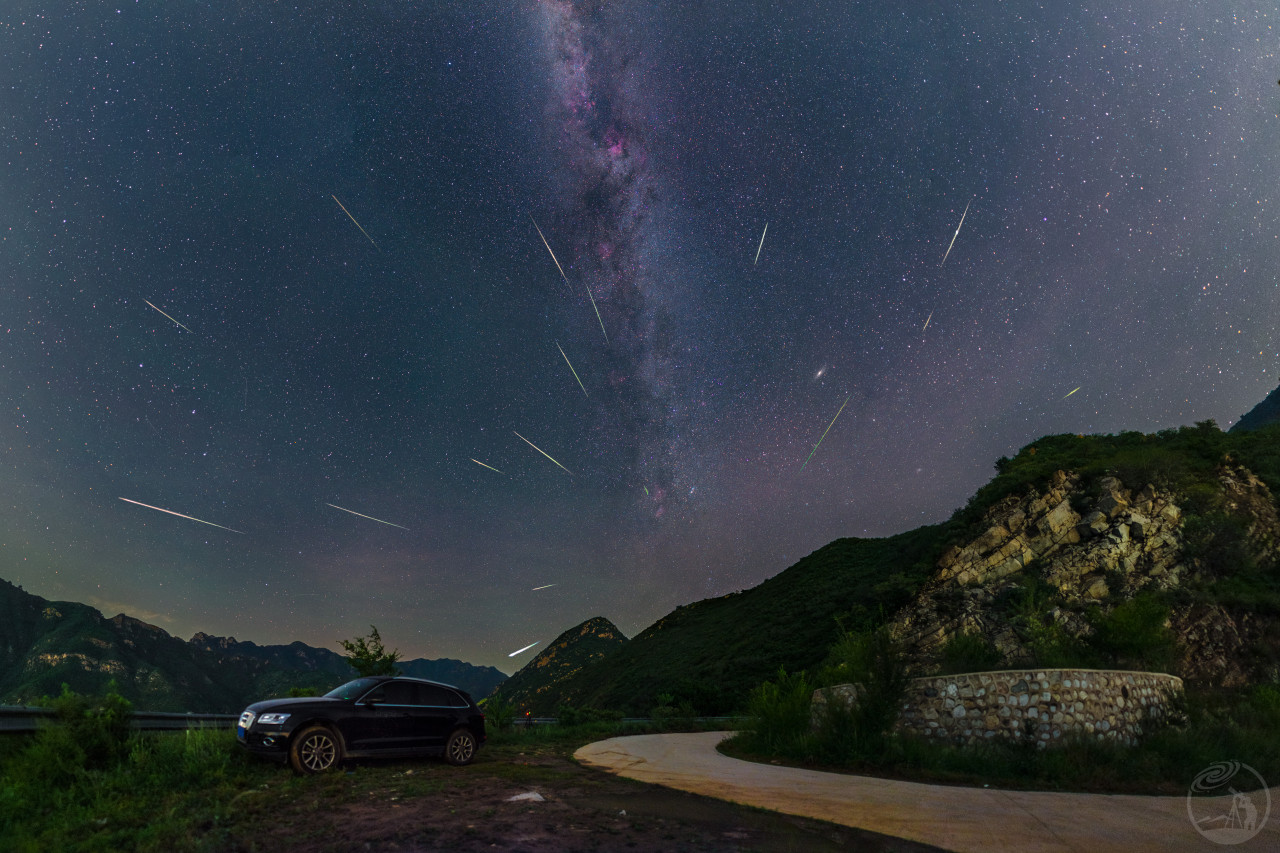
(1093, 546)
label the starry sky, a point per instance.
(341, 208)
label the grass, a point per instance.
(198, 791)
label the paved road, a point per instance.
(960, 819)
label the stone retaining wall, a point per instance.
(1023, 704)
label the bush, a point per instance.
(500, 713)
(1134, 635)
(93, 728)
(781, 713)
(968, 652)
(873, 660)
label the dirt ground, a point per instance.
(430, 806)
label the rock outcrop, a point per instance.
(1092, 546)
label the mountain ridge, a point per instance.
(44, 644)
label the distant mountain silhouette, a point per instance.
(45, 644)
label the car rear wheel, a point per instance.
(315, 750)
(460, 748)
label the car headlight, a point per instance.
(272, 719)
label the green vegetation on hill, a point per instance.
(711, 654)
(537, 688)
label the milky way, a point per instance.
(606, 191)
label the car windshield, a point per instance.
(353, 689)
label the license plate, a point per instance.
(240, 732)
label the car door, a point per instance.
(384, 719)
(436, 715)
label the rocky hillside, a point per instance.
(45, 644)
(538, 687)
(1061, 558)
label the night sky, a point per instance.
(1118, 163)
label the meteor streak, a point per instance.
(575, 373)
(180, 515)
(957, 234)
(926, 322)
(482, 465)
(535, 589)
(543, 452)
(597, 310)
(1072, 391)
(167, 316)
(525, 649)
(370, 517)
(548, 245)
(761, 246)
(824, 435)
(358, 225)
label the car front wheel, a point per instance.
(315, 750)
(460, 748)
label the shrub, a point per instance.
(781, 712)
(500, 713)
(845, 731)
(1134, 635)
(968, 652)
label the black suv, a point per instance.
(374, 716)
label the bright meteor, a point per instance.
(543, 452)
(548, 586)
(1072, 391)
(957, 234)
(575, 373)
(525, 649)
(548, 245)
(167, 316)
(482, 465)
(370, 517)
(926, 322)
(761, 246)
(824, 434)
(180, 515)
(353, 219)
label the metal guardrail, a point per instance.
(22, 718)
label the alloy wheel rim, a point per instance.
(318, 752)
(462, 748)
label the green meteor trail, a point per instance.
(482, 465)
(1072, 391)
(824, 434)
(543, 452)
(575, 373)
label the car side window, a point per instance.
(400, 693)
(441, 697)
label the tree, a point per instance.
(368, 656)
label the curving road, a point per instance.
(961, 819)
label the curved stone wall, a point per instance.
(1023, 704)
